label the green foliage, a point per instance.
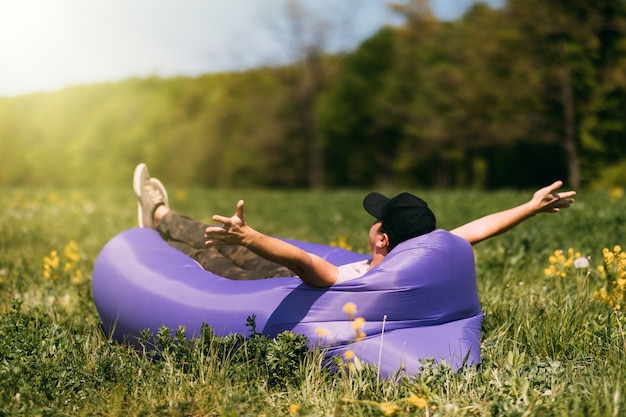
(548, 348)
(207, 130)
(351, 111)
(509, 97)
(29, 338)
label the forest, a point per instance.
(516, 96)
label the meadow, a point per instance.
(553, 340)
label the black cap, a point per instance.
(403, 217)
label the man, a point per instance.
(237, 246)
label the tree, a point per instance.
(573, 45)
(358, 138)
(310, 33)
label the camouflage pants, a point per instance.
(234, 262)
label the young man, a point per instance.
(236, 250)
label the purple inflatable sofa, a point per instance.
(420, 303)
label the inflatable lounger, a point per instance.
(421, 302)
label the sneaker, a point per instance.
(161, 187)
(150, 195)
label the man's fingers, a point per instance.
(567, 194)
(557, 197)
(555, 185)
(215, 235)
(563, 199)
(221, 219)
(214, 229)
(565, 202)
(229, 232)
(239, 211)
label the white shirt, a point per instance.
(351, 271)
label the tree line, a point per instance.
(511, 97)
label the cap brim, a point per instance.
(374, 202)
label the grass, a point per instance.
(549, 348)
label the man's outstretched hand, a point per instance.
(547, 200)
(233, 232)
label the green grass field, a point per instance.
(549, 348)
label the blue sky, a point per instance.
(49, 44)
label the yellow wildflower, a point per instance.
(561, 263)
(57, 267)
(71, 251)
(348, 355)
(341, 242)
(53, 259)
(388, 409)
(294, 409)
(321, 332)
(50, 265)
(77, 278)
(181, 194)
(54, 198)
(418, 402)
(350, 309)
(358, 323)
(613, 273)
(616, 193)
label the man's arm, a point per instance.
(545, 200)
(312, 269)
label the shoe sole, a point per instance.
(137, 188)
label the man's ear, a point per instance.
(383, 242)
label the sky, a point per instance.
(46, 45)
